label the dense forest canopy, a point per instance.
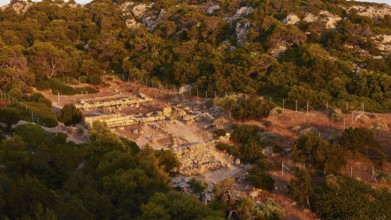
(316, 51)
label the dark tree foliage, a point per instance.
(252, 108)
(197, 186)
(174, 205)
(361, 141)
(9, 116)
(168, 161)
(38, 97)
(70, 115)
(323, 154)
(44, 177)
(301, 188)
(230, 149)
(339, 197)
(248, 141)
(260, 179)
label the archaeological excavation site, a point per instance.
(161, 119)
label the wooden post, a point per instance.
(296, 105)
(307, 107)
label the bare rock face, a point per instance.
(151, 22)
(243, 26)
(126, 8)
(291, 19)
(139, 10)
(375, 12)
(241, 30)
(199, 158)
(310, 18)
(278, 50)
(132, 24)
(330, 19)
(20, 7)
(240, 13)
(212, 9)
(383, 43)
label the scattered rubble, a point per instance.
(199, 158)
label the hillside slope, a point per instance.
(318, 51)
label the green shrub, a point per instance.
(252, 108)
(197, 186)
(270, 209)
(41, 113)
(362, 141)
(230, 149)
(38, 97)
(70, 115)
(339, 197)
(219, 133)
(243, 133)
(250, 147)
(251, 151)
(59, 87)
(168, 161)
(16, 93)
(9, 116)
(83, 79)
(69, 80)
(325, 155)
(260, 179)
(94, 79)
